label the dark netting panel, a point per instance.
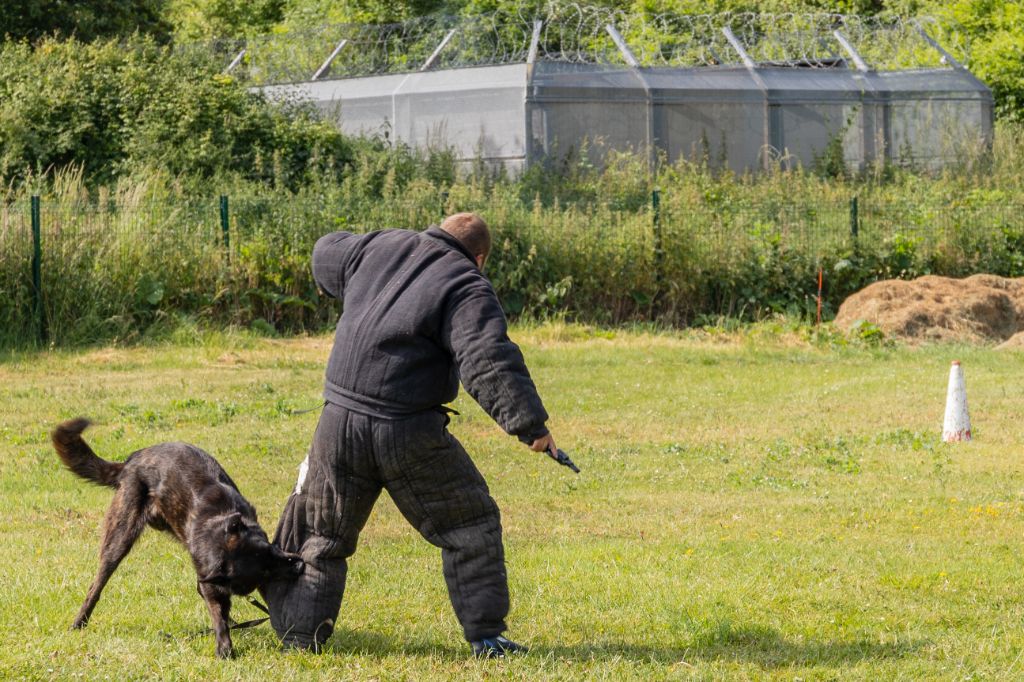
(587, 109)
(476, 112)
(721, 133)
(931, 132)
(809, 132)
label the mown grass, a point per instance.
(751, 506)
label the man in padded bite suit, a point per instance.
(419, 316)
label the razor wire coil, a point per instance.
(578, 34)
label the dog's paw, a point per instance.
(79, 623)
(225, 652)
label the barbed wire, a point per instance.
(578, 34)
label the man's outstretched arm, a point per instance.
(492, 368)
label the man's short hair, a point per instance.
(471, 230)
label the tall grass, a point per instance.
(133, 259)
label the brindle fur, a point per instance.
(177, 487)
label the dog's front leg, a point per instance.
(218, 601)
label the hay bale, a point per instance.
(1015, 342)
(980, 308)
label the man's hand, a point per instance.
(545, 443)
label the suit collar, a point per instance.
(440, 235)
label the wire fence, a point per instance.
(573, 33)
(72, 272)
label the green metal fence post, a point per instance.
(656, 229)
(37, 269)
(854, 219)
(224, 230)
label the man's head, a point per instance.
(471, 230)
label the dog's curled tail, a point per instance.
(79, 457)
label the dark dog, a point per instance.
(181, 489)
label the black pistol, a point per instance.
(562, 458)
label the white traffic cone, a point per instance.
(957, 425)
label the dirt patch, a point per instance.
(230, 359)
(980, 308)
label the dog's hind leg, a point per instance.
(122, 526)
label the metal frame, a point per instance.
(531, 56)
(738, 46)
(620, 43)
(946, 57)
(236, 61)
(433, 57)
(327, 62)
(858, 61)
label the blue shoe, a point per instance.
(496, 647)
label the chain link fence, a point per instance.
(76, 272)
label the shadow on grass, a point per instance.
(721, 641)
(751, 643)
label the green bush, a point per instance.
(121, 109)
(198, 19)
(996, 33)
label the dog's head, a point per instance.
(237, 554)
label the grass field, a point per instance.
(751, 506)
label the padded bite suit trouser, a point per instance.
(435, 485)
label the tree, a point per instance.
(85, 20)
(200, 19)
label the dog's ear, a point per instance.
(234, 524)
